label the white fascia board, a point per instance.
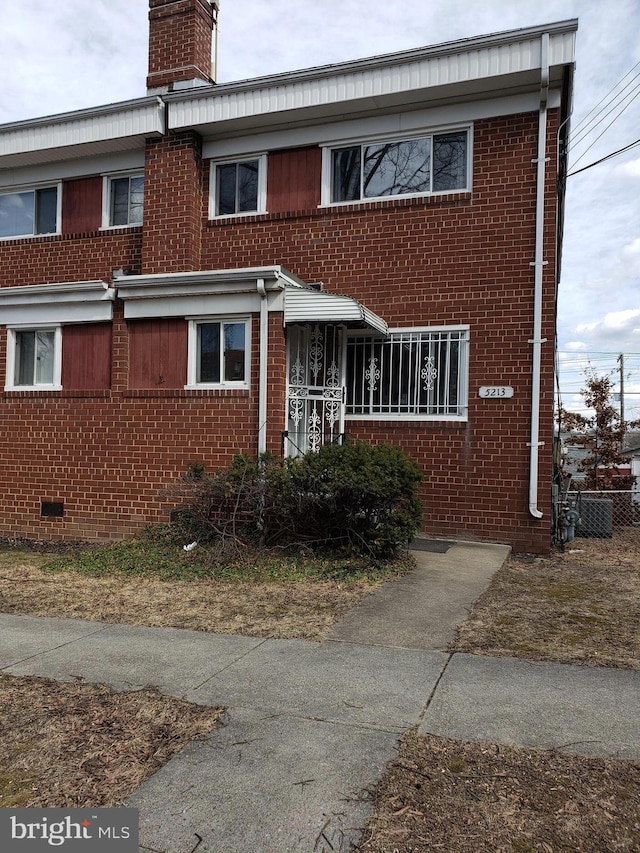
(202, 292)
(115, 127)
(75, 302)
(489, 63)
(81, 168)
(407, 121)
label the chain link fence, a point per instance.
(598, 515)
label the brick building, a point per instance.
(367, 249)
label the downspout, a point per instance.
(538, 265)
(262, 369)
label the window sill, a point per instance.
(33, 389)
(396, 418)
(21, 237)
(187, 392)
(448, 197)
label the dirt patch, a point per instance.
(280, 610)
(481, 798)
(74, 745)
(577, 606)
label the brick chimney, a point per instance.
(180, 34)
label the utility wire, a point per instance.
(577, 139)
(577, 129)
(607, 127)
(581, 129)
(602, 159)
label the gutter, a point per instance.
(538, 265)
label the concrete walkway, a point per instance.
(310, 727)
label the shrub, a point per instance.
(354, 497)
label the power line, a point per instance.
(607, 157)
(582, 121)
(578, 135)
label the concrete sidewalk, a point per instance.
(310, 727)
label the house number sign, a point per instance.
(497, 391)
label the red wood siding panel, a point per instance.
(86, 357)
(81, 205)
(293, 179)
(158, 353)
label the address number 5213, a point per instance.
(495, 391)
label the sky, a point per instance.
(62, 55)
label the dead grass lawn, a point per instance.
(74, 745)
(578, 606)
(441, 795)
(283, 610)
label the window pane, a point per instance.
(234, 348)
(226, 189)
(136, 199)
(24, 358)
(410, 373)
(450, 161)
(44, 358)
(119, 201)
(345, 184)
(16, 214)
(397, 167)
(46, 210)
(208, 369)
(248, 185)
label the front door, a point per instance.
(315, 387)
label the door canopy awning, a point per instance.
(306, 305)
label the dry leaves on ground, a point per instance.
(442, 795)
(279, 610)
(74, 745)
(577, 606)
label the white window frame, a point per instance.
(463, 379)
(261, 205)
(56, 384)
(193, 354)
(327, 163)
(107, 182)
(57, 185)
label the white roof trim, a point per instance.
(200, 293)
(73, 302)
(319, 306)
(498, 63)
(102, 130)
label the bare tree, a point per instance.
(602, 434)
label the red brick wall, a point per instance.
(179, 41)
(173, 201)
(89, 256)
(444, 260)
(108, 454)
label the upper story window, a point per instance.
(219, 353)
(123, 200)
(412, 374)
(26, 213)
(431, 163)
(238, 187)
(34, 359)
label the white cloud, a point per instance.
(576, 346)
(631, 169)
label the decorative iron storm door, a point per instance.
(315, 388)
